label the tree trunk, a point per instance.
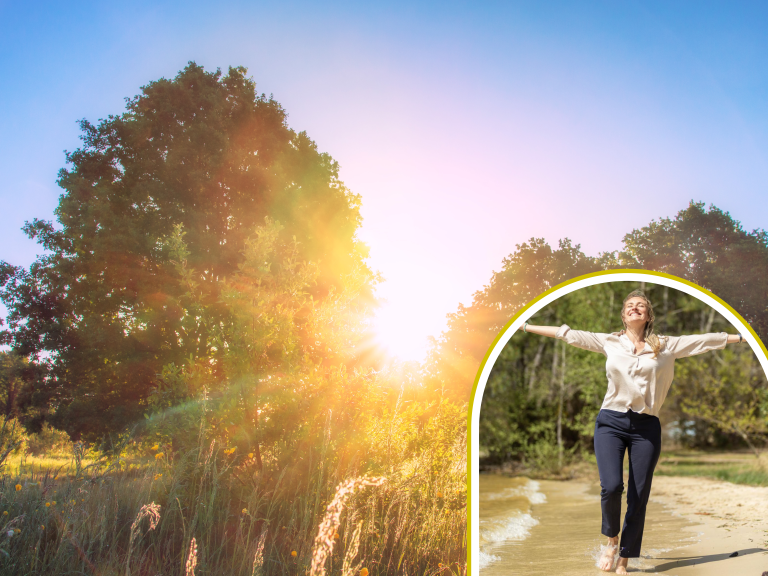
(534, 365)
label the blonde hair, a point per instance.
(653, 340)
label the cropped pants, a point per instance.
(639, 435)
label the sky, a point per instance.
(467, 128)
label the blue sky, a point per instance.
(465, 128)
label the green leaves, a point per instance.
(155, 226)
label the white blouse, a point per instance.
(640, 382)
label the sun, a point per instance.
(402, 332)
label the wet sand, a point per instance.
(684, 536)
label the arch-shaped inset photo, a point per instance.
(620, 424)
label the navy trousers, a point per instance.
(640, 435)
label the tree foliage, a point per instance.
(705, 246)
(160, 209)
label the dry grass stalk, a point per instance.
(349, 568)
(151, 511)
(192, 558)
(324, 541)
(258, 557)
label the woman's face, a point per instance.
(635, 311)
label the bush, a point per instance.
(49, 440)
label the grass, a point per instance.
(207, 510)
(735, 467)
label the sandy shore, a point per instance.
(730, 519)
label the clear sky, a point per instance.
(466, 128)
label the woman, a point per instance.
(639, 367)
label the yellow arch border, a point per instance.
(601, 277)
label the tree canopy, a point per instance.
(158, 210)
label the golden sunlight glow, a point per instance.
(401, 332)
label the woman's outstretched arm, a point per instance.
(550, 331)
(578, 338)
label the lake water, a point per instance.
(531, 528)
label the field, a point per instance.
(208, 509)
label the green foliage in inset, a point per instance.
(542, 397)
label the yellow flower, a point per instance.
(245, 510)
(250, 454)
(158, 476)
(42, 527)
(364, 572)
(230, 451)
(5, 512)
(73, 502)
(155, 447)
(293, 553)
(54, 502)
(159, 455)
(439, 494)
(17, 531)
(47, 504)
(18, 487)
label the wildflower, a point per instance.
(17, 530)
(54, 502)
(5, 512)
(230, 451)
(155, 447)
(42, 527)
(439, 564)
(245, 510)
(335, 535)
(364, 571)
(250, 454)
(47, 504)
(293, 553)
(73, 502)
(18, 487)
(439, 494)
(159, 455)
(158, 476)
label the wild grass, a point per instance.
(735, 467)
(207, 510)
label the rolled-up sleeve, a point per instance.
(684, 346)
(584, 340)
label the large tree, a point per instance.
(201, 157)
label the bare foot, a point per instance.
(608, 554)
(621, 565)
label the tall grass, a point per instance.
(206, 510)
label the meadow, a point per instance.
(398, 505)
